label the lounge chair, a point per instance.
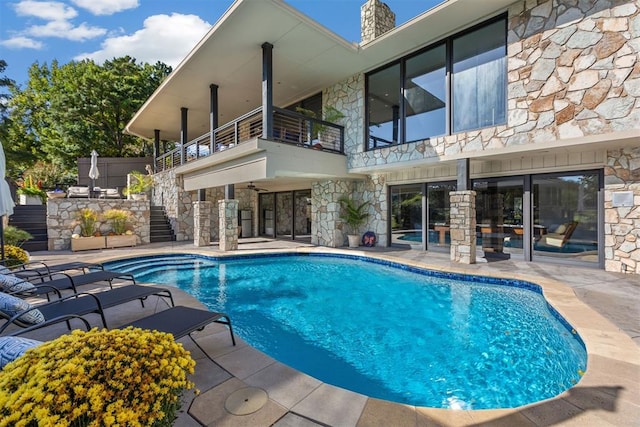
(559, 237)
(77, 191)
(21, 313)
(179, 321)
(110, 193)
(31, 270)
(61, 281)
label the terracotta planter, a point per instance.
(87, 243)
(121, 241)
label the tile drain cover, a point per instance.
(246, 401)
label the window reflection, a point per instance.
(384, 107)
(406, 215)
(479, 78)
(566, 208)
(425, 94)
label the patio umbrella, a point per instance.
(94, 173)
(6, 202)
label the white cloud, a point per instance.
(21, 43)
(163, 38)
(66, 30)
(47, 10)
(106, 7)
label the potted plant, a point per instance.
(139, 185)
(30, 193)
(354, 216)
(118, 219)
(330, 114)
(89, 237)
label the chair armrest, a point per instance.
(49, 322)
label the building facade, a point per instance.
(501, 129)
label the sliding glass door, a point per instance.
(500, 216)
(565, 216)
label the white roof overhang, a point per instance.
(307, 58)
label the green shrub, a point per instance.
(15, 236)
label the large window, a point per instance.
(412, 99)
(480, 78)
(384, 107)
(425, 93)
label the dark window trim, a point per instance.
(448, 80)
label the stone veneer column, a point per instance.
(463, 226)
(622, 221)
(202, 223)
(375, 19)
(228, 211)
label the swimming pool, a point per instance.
(391, 332)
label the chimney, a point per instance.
(375, 19)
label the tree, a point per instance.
(66, 111)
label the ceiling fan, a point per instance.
(251, 186)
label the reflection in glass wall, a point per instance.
(406, 215)
(302, 213)
(425, 94)
(480, 78)
(284, 214)
(267, 215)
(499, 216)
(566, 212)
(383, 99)
(438, 214)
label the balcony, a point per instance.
(289, 127)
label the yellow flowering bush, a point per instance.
(15, 256)
(118, 219)
(121, 377)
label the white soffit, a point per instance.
(307, 58)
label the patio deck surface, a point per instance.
(603, 307)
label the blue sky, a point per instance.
(148, 30)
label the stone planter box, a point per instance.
(87, 243)
(29, 200)
(121, 241)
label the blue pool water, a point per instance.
(399, 334)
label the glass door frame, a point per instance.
(274, 209)
(529, 256)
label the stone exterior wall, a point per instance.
(62, 222)
(348, 98)
(622, 224)
(375, 19)
(573, 71)
(327, 229)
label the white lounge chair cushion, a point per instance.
(78, 192)
(10, 283)
(13, 347)
(10, 306)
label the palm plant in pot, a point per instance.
(354, 215)
(139, 185)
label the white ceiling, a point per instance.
(306, 59)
